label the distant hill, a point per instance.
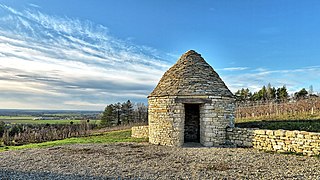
(30, 112)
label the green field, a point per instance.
(2, 118)
(108, 137)
(29, 120)
(48, 121)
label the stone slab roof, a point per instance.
(191, 76)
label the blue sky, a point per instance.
(77, 54)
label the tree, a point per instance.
(255, 97)
(301, 94)
(2, 127)
(107, 116)
(270, 92)
(141, 113)
(282, 94)
(127, 112)
(243, 95)
(262, 94)
(117, 108)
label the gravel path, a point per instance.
(144, 161)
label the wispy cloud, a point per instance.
(57, 62)
(233, 69)
(34, 5)
(293, 79)
(53, 62)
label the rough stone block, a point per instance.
(280, 133)
(300, 136)
(207, 144)
(291, 133)
(140, 132)
(260, 132)
(270, 132)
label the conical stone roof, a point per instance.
(191, 76)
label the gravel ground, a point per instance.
(144, 161)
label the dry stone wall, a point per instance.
(307, 143)
(240, 137)
(140, 131)
(301, 142)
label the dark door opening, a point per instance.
(192, 123)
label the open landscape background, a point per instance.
(75, 76)
(94, 54)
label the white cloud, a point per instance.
(70, 64)
(50, 62)
(293, 79)
(34, 5)
(83, 103)
(233, 69)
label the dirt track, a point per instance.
(144, 161)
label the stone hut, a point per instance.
(190, 104)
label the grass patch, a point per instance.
(2, 118)
(31, 121)
(108, 137)
(300, 125)
(280, 117)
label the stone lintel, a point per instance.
(193, 100)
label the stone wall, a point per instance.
(215, 117)
(140, 131)
(240, 137)
(307, 143)
(167, 118)
(301, 142)
(165, 121)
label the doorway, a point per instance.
(192, 123)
